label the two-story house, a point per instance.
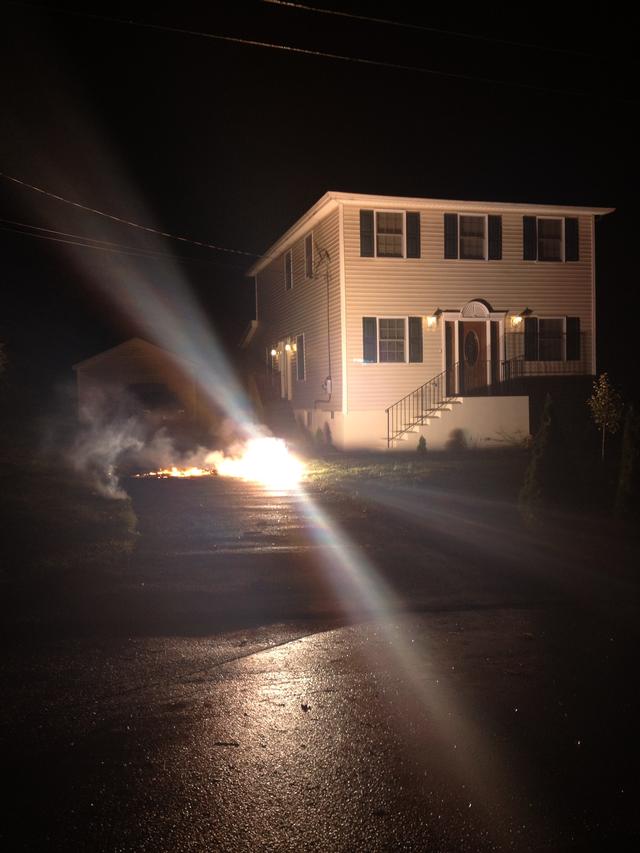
(388, 317)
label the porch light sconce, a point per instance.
(432, 319)
(287, 347)
(295, 347)
(517, 319)
(274, 353)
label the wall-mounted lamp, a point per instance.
(274, 353)
(287, 347)
(295, 347)
(516, 319)
(432, 319)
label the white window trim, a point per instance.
(484, 216)
(375, 237)
(310, 234)
(304, 349)
(406, 340)
(563, 250)
(287, 254)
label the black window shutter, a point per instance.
(495, 238)
(529, 238)
(369, 339)
(415, 338)
(413, 235)
(451, 235)
(571, 251)
(573, 338)
(300, 357)
(366, 233)
(530, 338)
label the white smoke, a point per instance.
(113, 439)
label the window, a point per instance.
(308, 256)
(385, 339)
(551, 339)
(391, 339)
(550, 238)
(300, 364)
(472, 237)
(288, 271)
(389, 234)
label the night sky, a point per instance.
(229, 144)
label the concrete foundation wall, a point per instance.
(472, 422)
(479, 422)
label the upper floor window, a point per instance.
(288, 270)
(308, 256)
(472, 236)
(550, 238)
(389, 234)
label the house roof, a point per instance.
(130, 344)
(330, 201)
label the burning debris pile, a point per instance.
(111, 443)
(265, 460)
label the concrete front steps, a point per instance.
(471, 422)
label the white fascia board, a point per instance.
(406, 202)
(306, 222)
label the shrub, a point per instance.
(421, 449)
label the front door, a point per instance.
(473, 355)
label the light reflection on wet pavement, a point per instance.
(225, 704)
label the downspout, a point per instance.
(326, 385)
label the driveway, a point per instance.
(253, 681)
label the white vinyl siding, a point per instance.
(420, 285)
(283, 315)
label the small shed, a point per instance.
(152, 380)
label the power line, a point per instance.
(378, 63)
(411, 26)
(91, 243)
(128, 221)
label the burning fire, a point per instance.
(174, 471)
(262, 460)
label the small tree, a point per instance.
(606, 407)
(628, 495)
(421, 449)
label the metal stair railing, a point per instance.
(414, 408)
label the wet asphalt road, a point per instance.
(228, 692)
